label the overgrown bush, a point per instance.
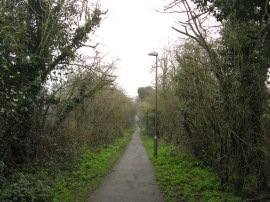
(218, 94)
(26, 188)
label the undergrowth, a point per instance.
(184, 178)
(75, 184)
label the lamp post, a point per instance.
(155, 135)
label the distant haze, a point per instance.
(130, 30)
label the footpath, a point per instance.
(132, 178)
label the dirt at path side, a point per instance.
(132, 179)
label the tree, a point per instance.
(229, 123)
(169, 117)
(249, 21)
(36, 38)
(245, 10)
(145, 92)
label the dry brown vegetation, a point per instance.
(214, 97)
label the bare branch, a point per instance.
(93, 46)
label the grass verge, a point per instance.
(92, 167)
(183, 178)
(85, 173)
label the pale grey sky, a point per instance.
(129, 32)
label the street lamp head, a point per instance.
(153, 53)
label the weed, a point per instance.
(92, 166)
(74, 184)
(184, 178)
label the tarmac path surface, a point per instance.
(132, 178)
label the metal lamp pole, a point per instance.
(155, 135)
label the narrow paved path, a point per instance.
(132, 179)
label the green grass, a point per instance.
(74, 184)
(92, 167)
(184, 178)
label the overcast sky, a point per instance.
(129, 32)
